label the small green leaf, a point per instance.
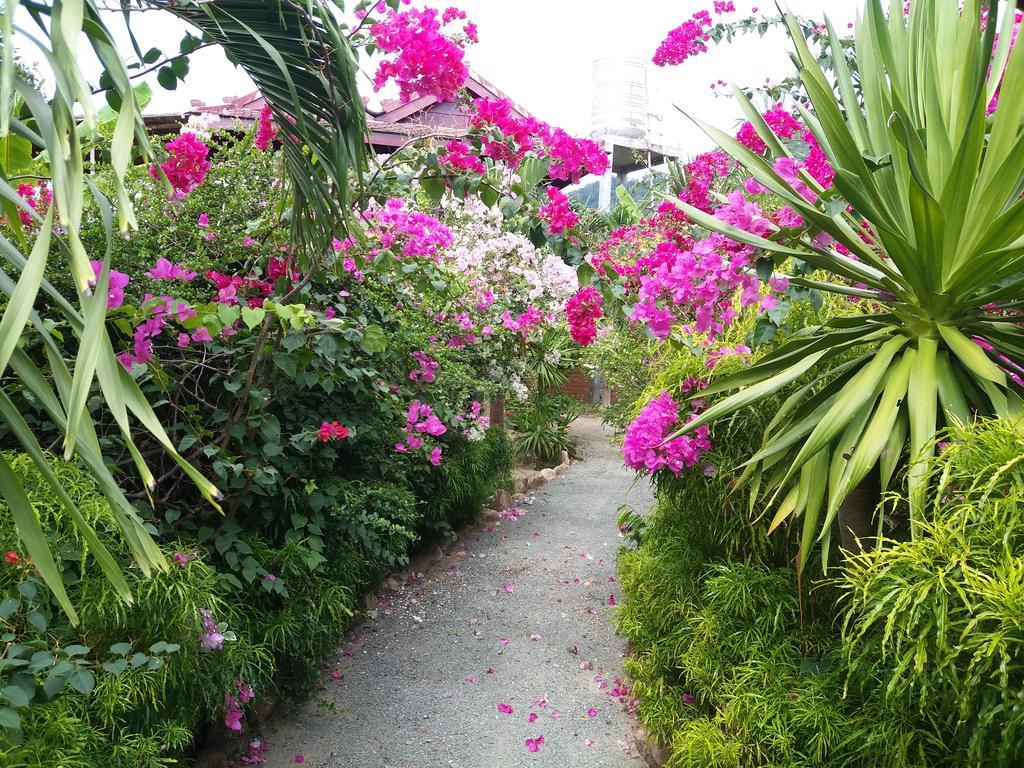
(15, 696)
(253, 316)
(167, 79)
(9, 719)
(82, 681)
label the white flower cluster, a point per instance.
(519, 390)
(506, 263)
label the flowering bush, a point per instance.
(645, 448)
(427, 60)
(583, 311)
(186, 165)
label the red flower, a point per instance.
(11, 558)
(332, 431)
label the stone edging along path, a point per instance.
(500, 653)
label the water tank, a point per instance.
(620, 106)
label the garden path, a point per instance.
(516, 612)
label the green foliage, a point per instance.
(939, 253)
(542, 427)
(542, 423)
(935, 622)
(735, 660)
(468, 477)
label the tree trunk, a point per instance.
(498, 410)
(857, 524)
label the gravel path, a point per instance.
(517, 612)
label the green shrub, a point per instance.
(735, 662)
(468, 477)
(937, 622)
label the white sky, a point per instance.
(540, 53)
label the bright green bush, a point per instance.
(471, 474)
(735, 661)
(937, 622)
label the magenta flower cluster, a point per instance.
(427, 371)
(644, 447)
(508, 138)
(160, 309)
(426, 59)
(266, 131)
(186, 164)
(233, 703)
(474, 420)
(421, 423)
(406, 232)
(117, 282)
(165, 270)
(583, 311)
(212, 639)
(458, 156)
(686, 40)
(38, 196)
(524, 323)
(557, 213)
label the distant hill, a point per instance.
(589, 194)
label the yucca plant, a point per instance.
(939, 261)
(297, 54)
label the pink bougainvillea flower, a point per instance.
(588, 742)
(181, 559)
(165, 270)
(202, 335)
(425, 58)
(505, 709)
(591, 712)
(117, 282)
(644, 447)
(611, 600)
(458, 156)
(507, 588)
(534, 745)
(686, 40)
(186, 164)
(232, 714)
(583, 311)
(535, 638)
(435, 456)
(266, 131)
(503, 640)
(532, 717)
(300, 758)
(38, 196)
(203, 221)
(557, 213)
(470, 678)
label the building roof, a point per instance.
(390, 127)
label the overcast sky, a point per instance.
(541, 52)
